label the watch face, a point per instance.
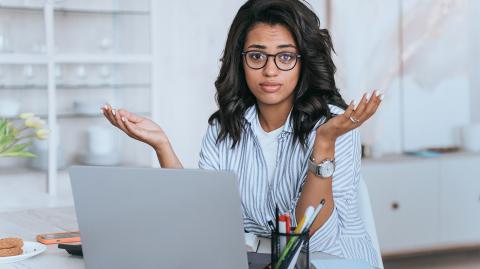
(327, 169)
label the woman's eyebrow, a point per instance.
(256, 46)
(286, 46)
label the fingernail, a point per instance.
(123, 118)
(377, 92)
(381, 96)
(368, 96)
(113, 112)
(354, 103)
(101, 110)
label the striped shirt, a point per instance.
(343, 234)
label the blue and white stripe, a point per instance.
(343, 234)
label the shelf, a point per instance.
(73, 115)
(393, 158)
(83, 116)
(56, 38)
(106, 11)
(16, 58)
(103, 58)
(38, 8)
(102, 11)
(76, 87)
(23, 87)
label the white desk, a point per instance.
(27, 224)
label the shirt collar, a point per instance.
(251, 114)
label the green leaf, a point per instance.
(5, 140)
(3, 125)
(18, 147)
(8, 135)
(24, 154)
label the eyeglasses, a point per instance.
(284, 61)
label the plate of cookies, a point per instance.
(15, 249)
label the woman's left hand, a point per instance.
(352, 118)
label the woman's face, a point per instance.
(270, 85)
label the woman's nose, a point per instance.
(270, 69)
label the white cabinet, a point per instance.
(460, 201)
(424, 204)
(404, 199)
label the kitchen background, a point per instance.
(63, 59)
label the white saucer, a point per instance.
(30, 249)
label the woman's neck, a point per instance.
(272, 117)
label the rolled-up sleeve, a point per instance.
(209, 157)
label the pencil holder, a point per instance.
(290, 250)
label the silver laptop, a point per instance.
(158, 218)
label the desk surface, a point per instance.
(28, 223)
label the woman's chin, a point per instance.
(270, 101)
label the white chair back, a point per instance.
(365, 211)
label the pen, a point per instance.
(315, 214)
(276, 217)
(308, 219)
(282, 228)
(270, 224)
(308, 213)
(277, 246)
(288, 222)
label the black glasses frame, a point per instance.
(297, 56)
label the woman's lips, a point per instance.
(270, 87)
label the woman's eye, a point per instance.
(286, 57)
(257, 56)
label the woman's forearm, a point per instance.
(315, 189)
(167, 157)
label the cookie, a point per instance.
(7, 252)
(11, 242)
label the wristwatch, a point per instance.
(324, 169)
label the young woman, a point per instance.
(282, 126)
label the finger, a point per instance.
(118, 119)
(111, 114)
(350, 121)
(107, 115)
(131, 117)
(361, 105)
(373, 105)
(133, 130)
(350, 109)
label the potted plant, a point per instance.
(15, 140)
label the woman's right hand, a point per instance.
(137, 127)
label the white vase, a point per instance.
(471, 137)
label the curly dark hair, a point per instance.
(316, 85)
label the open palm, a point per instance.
(352, 117)
(137, 127)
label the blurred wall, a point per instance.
(474, 27)
(191, 42)
(425, 103)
